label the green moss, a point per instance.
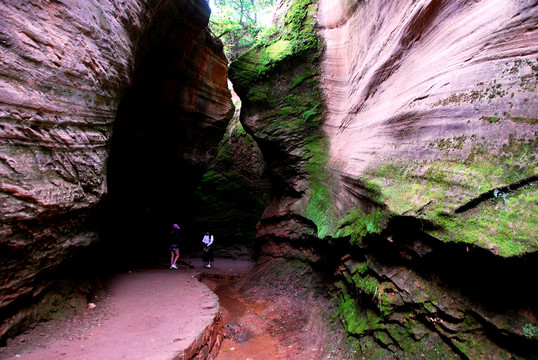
(434, 190)
(490, 119)
(517, 119)
(298, 35)
(357, 224)
(370, 349)
(280, 76)
(367, 284)
(357, 321)
(227, 192)
(278, 50)
(507, 228)
(525, 120)
(501, 86)
(417, 342)
(530, 331)
(309, 74)
(361, 268)
(473, 348)
(320, 208)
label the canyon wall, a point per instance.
(233, 192)
(432, 113)
(65, 67)
(403, 136)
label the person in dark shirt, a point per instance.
(174, 239)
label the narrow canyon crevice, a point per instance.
(382, 169)
(110, 115)
(167, 130)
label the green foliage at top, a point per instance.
(297, 34)
(238, 25)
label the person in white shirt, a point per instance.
(207, 255)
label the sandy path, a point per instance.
(146, 314)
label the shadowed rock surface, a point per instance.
(66, 65)
(235, 186)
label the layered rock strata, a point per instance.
(432, 113)
(278, 82)
(167, 131)
(408, 146)
(65, 66)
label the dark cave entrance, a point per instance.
(159, 148)
(162, 145)
(150, 185)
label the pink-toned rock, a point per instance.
(434, 104)
(64, 67)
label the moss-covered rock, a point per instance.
(488, 200)
(234, 192)
(278, 81)
(422, 174)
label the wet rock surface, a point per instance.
(279, 309)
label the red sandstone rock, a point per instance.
(403, 79)
(431, 109)
(64, 67)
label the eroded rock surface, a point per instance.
(234, 191)
(65, 66)
(416, 166)
(432, 112)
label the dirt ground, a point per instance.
(268, 316)
(155, 313)
(144, 314)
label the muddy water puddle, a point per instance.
(257, 330)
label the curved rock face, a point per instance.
(64, 67)
(278, 82)
(417, 166)
(432, 112)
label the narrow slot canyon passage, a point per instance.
(368, 170)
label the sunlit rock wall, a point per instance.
(432, 113)
(429, 111)
(432, 116)
(64, 66)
